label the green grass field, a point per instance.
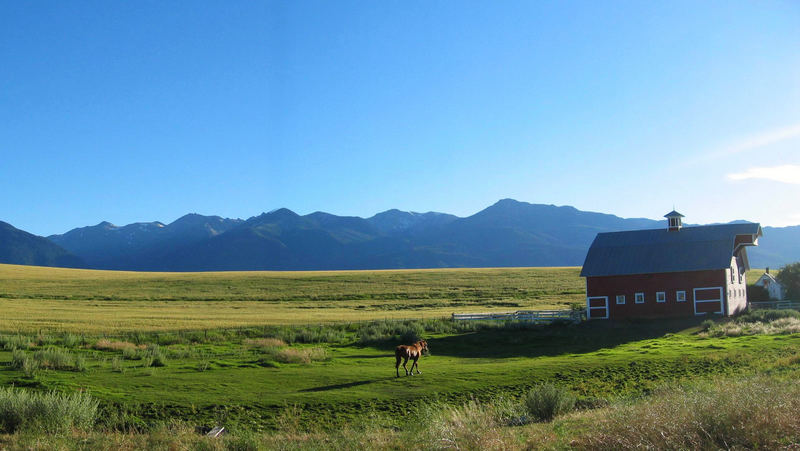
(330, 337)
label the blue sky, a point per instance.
(140, 111)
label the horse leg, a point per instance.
(405, 361)
(397, 364)
(416, 363)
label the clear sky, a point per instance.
(141, 111)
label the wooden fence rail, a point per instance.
(537, 316)
(780, 305)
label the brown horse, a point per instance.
(412, 352)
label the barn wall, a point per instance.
(736, 287)
(650, 284)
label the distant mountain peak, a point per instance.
(283, 211)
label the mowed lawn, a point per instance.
(37, 298)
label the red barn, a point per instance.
(673, 272)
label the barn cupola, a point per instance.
(673, 221)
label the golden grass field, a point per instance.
(39, 298)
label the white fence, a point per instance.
(780, 305)
(536, 316)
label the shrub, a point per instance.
(12, 342)
(131, 354)
(108, 345)
(264, 343)
(546, 401)
(472, 425)
(305, 355)
(766, 315)
(50, 412)
(757, 293)
(80, 363)
(21, 361)
(54, 359)
(116, 365)
(153, 356)
(707, 324)
(70, 340)
(789, 277)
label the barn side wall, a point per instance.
(736, 287)
(650, 284)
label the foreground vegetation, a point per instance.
(758, 412)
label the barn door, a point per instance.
(597, 307)
(708, 300)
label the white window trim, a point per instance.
(620, 297)
(589, 307)
(720, 300)
(678, 296)
(663, 295)
(636, 298)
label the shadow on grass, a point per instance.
(553, 340)
(346, 385)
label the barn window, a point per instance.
(620, 299)
(680, 296)
(639, 298)
(661, 297)
(733, 275)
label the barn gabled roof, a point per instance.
(658, 251)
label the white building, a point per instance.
(773, 287)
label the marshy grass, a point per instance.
(758, 322)
(12, 342)
(49, 358)
(48, 413)
(755, 413)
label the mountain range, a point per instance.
(508, 233)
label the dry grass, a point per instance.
(302, 355)
(262, 343)
(756, 413)
(36, 298)
(737, 329)
(108, 345)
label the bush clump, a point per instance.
(153, 356)
(547, 401)
(758, 322)
(304, 355)
(12, 342)
(50, 412)
(49, 358)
